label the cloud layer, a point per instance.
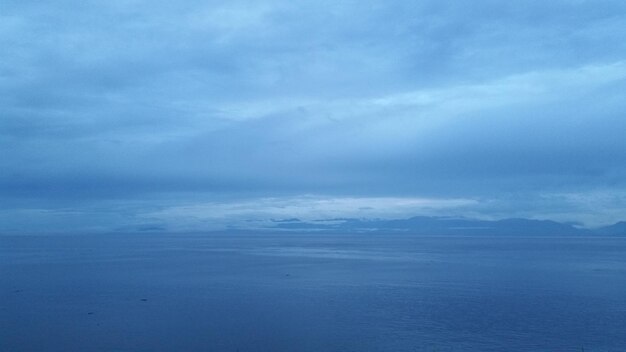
(119, 111)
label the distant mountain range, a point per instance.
(615, 229)
(425, 225)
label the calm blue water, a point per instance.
(311, 293)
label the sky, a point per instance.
(194, 115)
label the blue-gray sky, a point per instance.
(201, 114)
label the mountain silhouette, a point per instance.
(615, 229)
(426, 225)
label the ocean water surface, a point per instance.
(311, 292)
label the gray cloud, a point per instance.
(168, 104)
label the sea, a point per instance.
(253, 292)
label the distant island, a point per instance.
(427, 225)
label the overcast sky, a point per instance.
(125, 114)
